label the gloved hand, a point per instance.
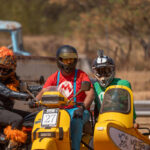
(78, 113)
(29, 97)
(33, 104)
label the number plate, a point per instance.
(49, 118)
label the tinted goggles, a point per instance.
(104, 71)
(5, 70)
(67, 60)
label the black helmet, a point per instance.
(104, 69)
(66, 52)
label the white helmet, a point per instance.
(104, 69)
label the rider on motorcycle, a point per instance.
(104, 71)
(69, 80)
(9, 90)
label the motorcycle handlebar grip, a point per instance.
(33, 104)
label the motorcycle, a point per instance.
(115, 129)
(27, 124)
(51, 129)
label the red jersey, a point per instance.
(66, 84)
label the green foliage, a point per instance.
(116, 1)
(55, 17)
(87, 20)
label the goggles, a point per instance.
(103, 71)
(67, 61)
(5, 70)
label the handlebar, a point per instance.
(35, 104)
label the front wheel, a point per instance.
(86, 143)
(26, 147)
(3, 147)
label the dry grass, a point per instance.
(47, 45)
(140, 81)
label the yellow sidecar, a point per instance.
(114, 129)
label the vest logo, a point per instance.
(66, 88)
(101, 96)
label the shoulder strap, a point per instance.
(74, 84)
(98, 89)
(58, 76)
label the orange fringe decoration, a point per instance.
(15, 135)
(12, 87)
(25, 129)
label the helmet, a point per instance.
(66, 57)
(104, 69)
(7, 62)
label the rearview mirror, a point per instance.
(24, 86)
(85, 86)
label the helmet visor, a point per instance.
(103, 71)
(68, 55)
(67, 61)
(5, 71)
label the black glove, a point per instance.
(78, 113)
(33, 104)
(8, 93)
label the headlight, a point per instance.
(52, 99)
(47, 134)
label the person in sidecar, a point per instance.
(9, 90)
(104, 71)
(69, 80)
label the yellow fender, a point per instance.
(54, 140)
(44, 144)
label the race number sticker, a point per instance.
(49, 118)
